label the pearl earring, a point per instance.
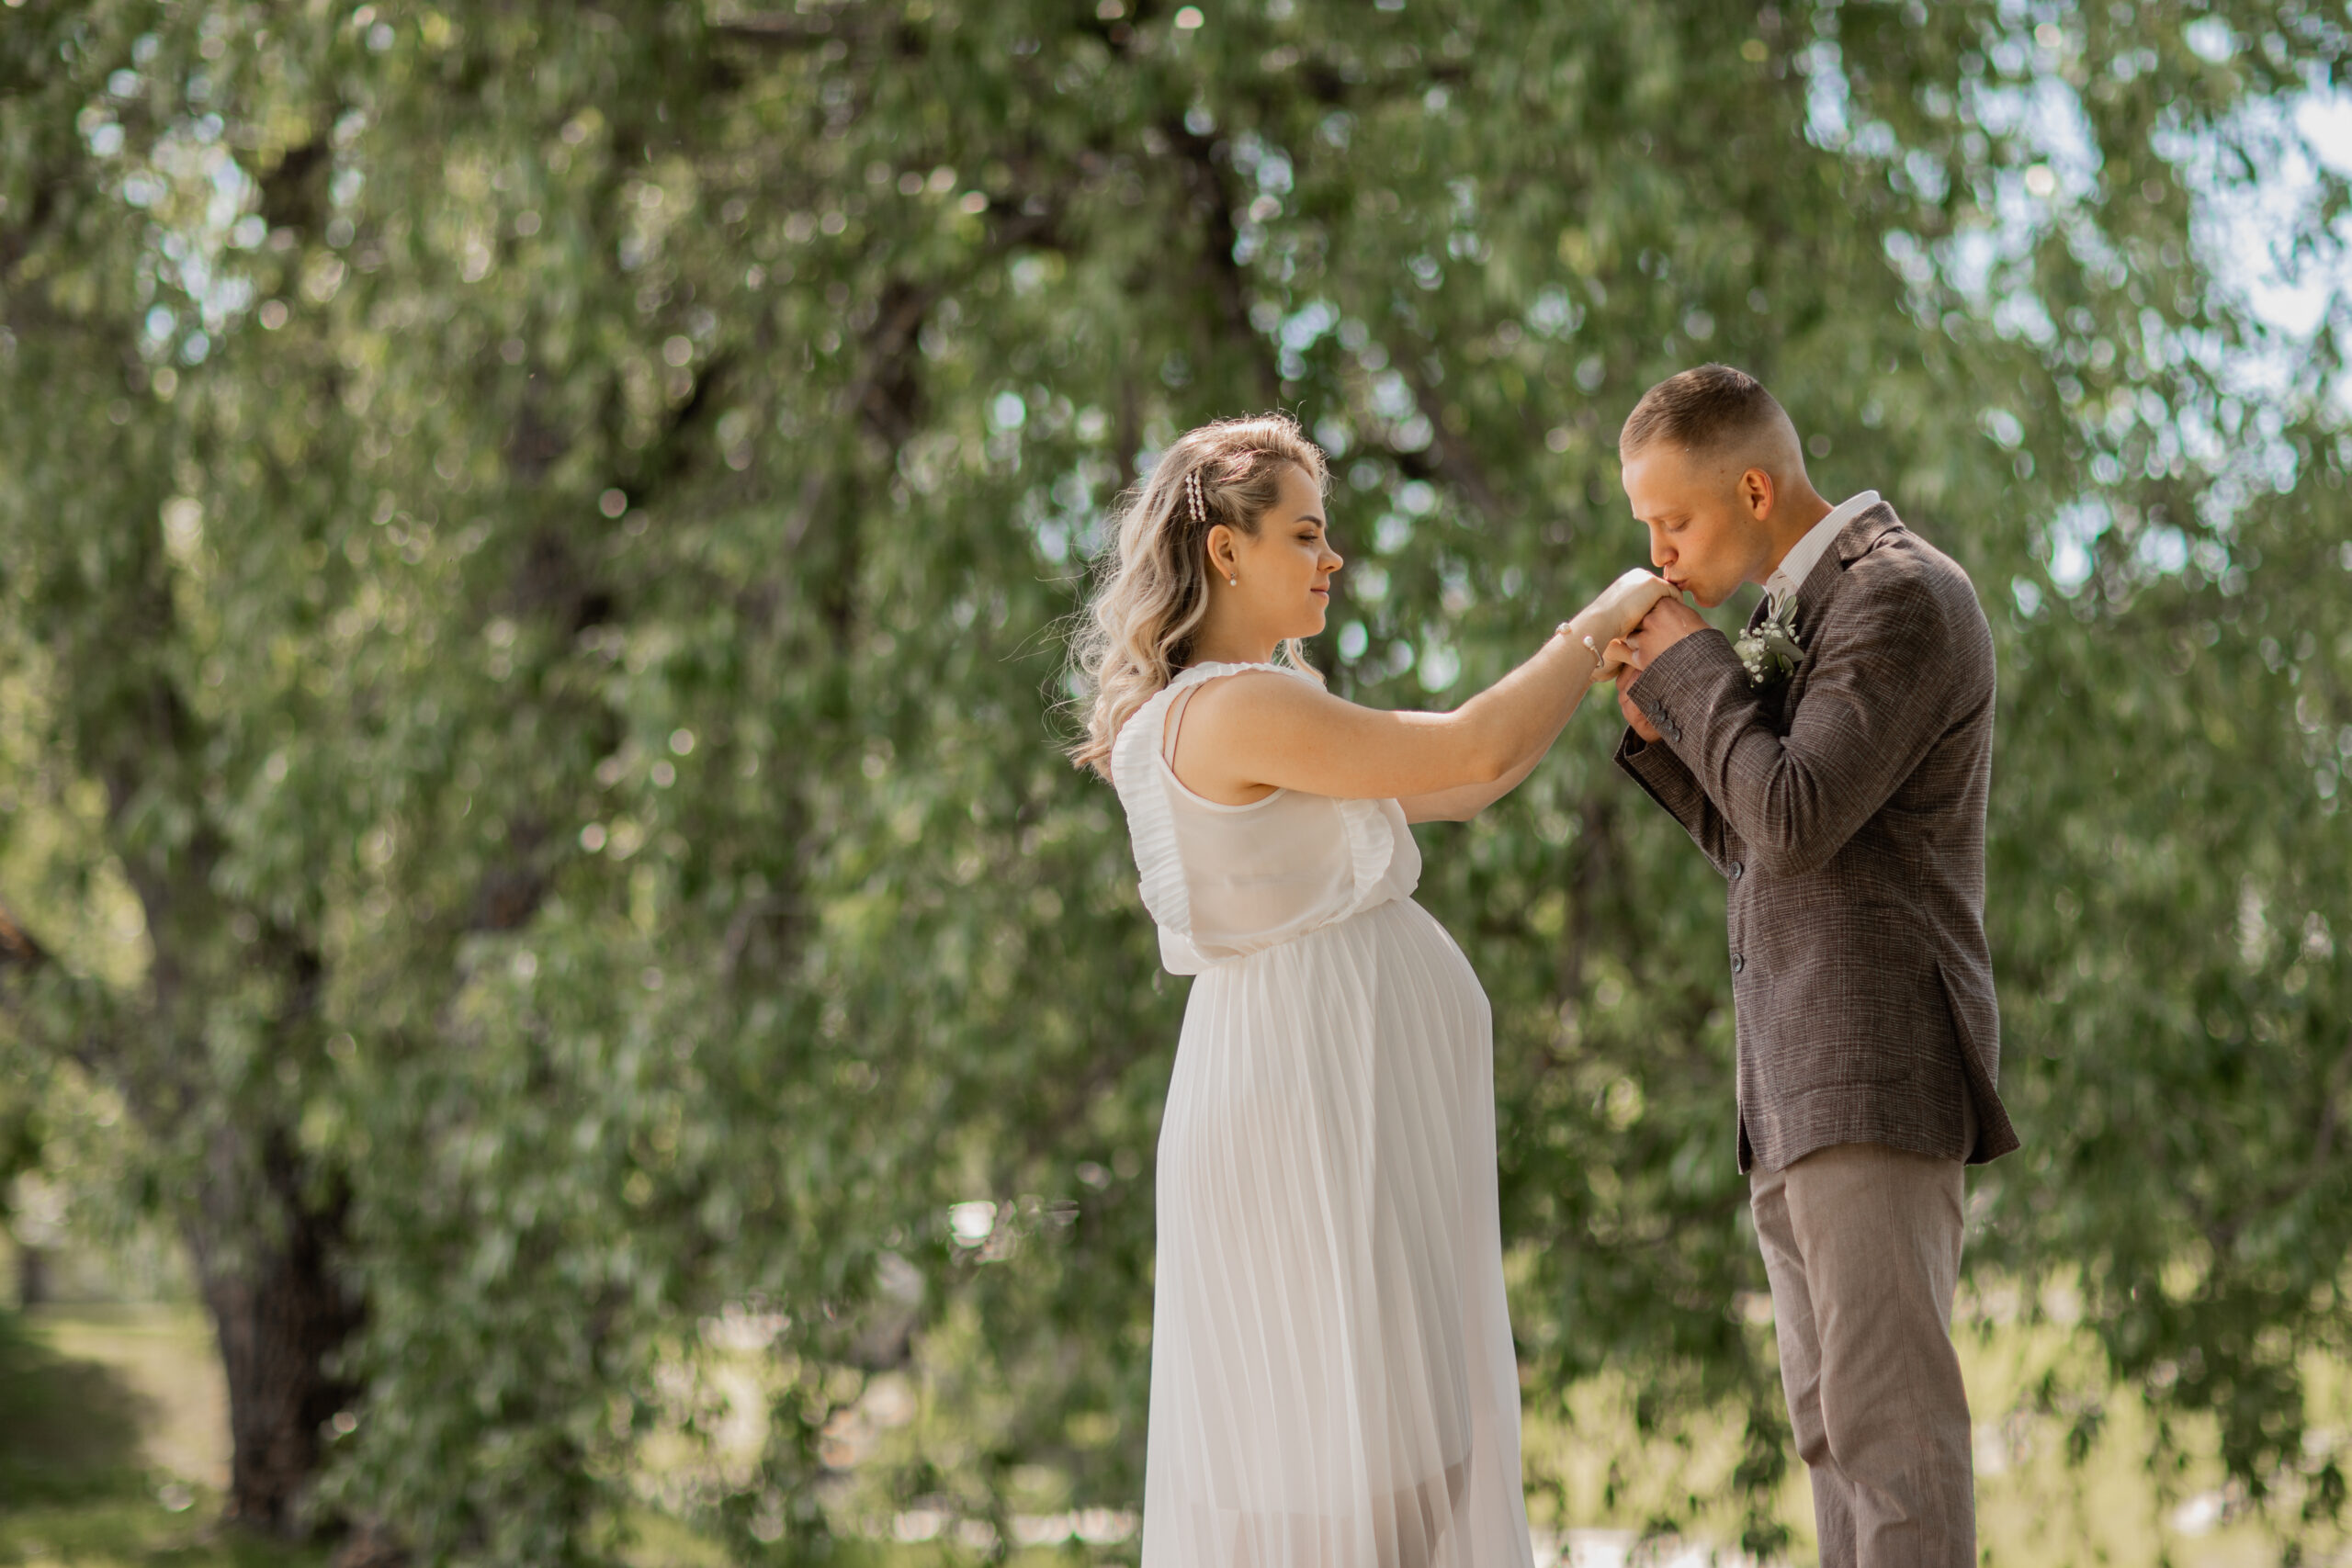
(1234, 581)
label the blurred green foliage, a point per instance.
(532, 537)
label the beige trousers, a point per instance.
(1862, 1245)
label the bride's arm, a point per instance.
(1463, 804)
(1248, 735)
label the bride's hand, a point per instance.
(1622, 604)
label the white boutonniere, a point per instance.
(1771, 652)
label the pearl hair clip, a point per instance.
(1200, 511)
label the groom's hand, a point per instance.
(1628, 660)
(1638, 721)
(1669, 622)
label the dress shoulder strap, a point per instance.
(1180, 691)
(1151, 720)
(1173, 724)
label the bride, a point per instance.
(1332, 1380)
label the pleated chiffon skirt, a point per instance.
(1332, 1380)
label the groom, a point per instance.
(1833, 765)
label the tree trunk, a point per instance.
(32, 1276)
(264, 1261)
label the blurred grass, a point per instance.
(111, 1419)
(2041, 1502)
(110, 1415)
(69, 1429)
(165, 1356)
(138, 1531)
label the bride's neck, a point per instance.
(1232, 650)
(1219, 641)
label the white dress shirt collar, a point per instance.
(1805, 553)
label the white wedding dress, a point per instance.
(1332, 1379)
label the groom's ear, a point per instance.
(1756, 492)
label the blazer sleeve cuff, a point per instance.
(1666, 780)
(1649, 761)
(1687, 681)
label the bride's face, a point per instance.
(1707, 525)
(1285, 572)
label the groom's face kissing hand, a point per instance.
(1706, 517)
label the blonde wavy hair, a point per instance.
(1151, 588)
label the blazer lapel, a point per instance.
(1853, 542)
(1820, 585)
(1855, 539)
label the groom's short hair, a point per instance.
(1701, 409)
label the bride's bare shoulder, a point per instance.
(1257, 692)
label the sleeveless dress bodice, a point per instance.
(1222, 882)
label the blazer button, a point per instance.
(1738, 869)
(1737, 962)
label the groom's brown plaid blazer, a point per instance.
(1846, 807)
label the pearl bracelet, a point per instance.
(1599, 657)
